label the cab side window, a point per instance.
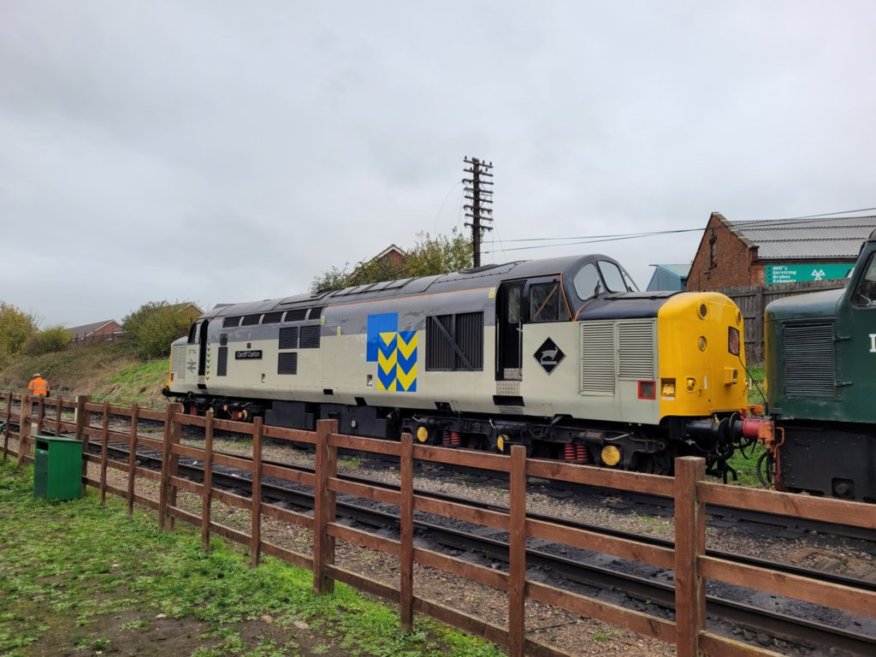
(546, 303)
(865, 293)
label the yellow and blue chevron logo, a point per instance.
(394, 351)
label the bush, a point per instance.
(16, 327)
(150, 329)
(56, 338)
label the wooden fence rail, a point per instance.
(689, 490)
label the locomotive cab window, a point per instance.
(546, 303)
(613, 277)
(587, 282)
(193, 333)
(865, 293)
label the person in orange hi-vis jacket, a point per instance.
(38, 386)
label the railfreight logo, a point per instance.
(394, 351)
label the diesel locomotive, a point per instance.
(821, 393)
(561, 355)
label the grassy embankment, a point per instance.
(106, 372)
(78, 578)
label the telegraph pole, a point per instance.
(478, 190)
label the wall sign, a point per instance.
(248, 354)
(801, 273)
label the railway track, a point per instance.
(802, 627)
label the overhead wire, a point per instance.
(590, 239)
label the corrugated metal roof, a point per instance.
(790, 239)
(678, 270)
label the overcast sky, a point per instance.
(231, 151)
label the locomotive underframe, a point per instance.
(641, 448)
(850, 449)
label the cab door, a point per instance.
(856, 342)
(509, 331)
(202, 354)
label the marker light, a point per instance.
(733, 340)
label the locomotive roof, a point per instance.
(485, 276)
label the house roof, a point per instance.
(78, 332)
(677, 270)
(388, 250)
(793, 239)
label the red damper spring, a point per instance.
(455, 440)
(445, 438)
(569, 453)
(582, 453)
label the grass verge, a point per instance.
(80, 579)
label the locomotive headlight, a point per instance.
(611, 455)
(422, 433)
(690, 383)
(667, 388)
(702, 343)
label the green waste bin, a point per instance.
(57, 472)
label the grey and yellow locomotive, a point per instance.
(562, 355)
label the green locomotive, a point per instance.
(821, 377)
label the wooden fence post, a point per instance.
(517, 553)
(164, 489)
(255, 548)
(207, 493)
(175, 438)
(23, 428)
(132, 456)
(406, 537)
(6, 425)
(59, 408)
(324, 506)
(41, 414)
(82, 421)
(104, 449)
(690, 543)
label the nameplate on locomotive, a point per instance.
(248, 354)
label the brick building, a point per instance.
(771, 251)
(109, 330)
(391, 254)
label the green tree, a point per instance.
(15, 329)
(56, 338)
(429, 256)
(151, 328)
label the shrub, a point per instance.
(150, 329)
(56, 338)
(16, 327)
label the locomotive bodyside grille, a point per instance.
(810, 358)
(179, 363)
(470, 338)
(636, 353)
(597, 366)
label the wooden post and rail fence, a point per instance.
(689, 490)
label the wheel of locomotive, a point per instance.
(659, 463)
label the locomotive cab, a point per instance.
(820, 359)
